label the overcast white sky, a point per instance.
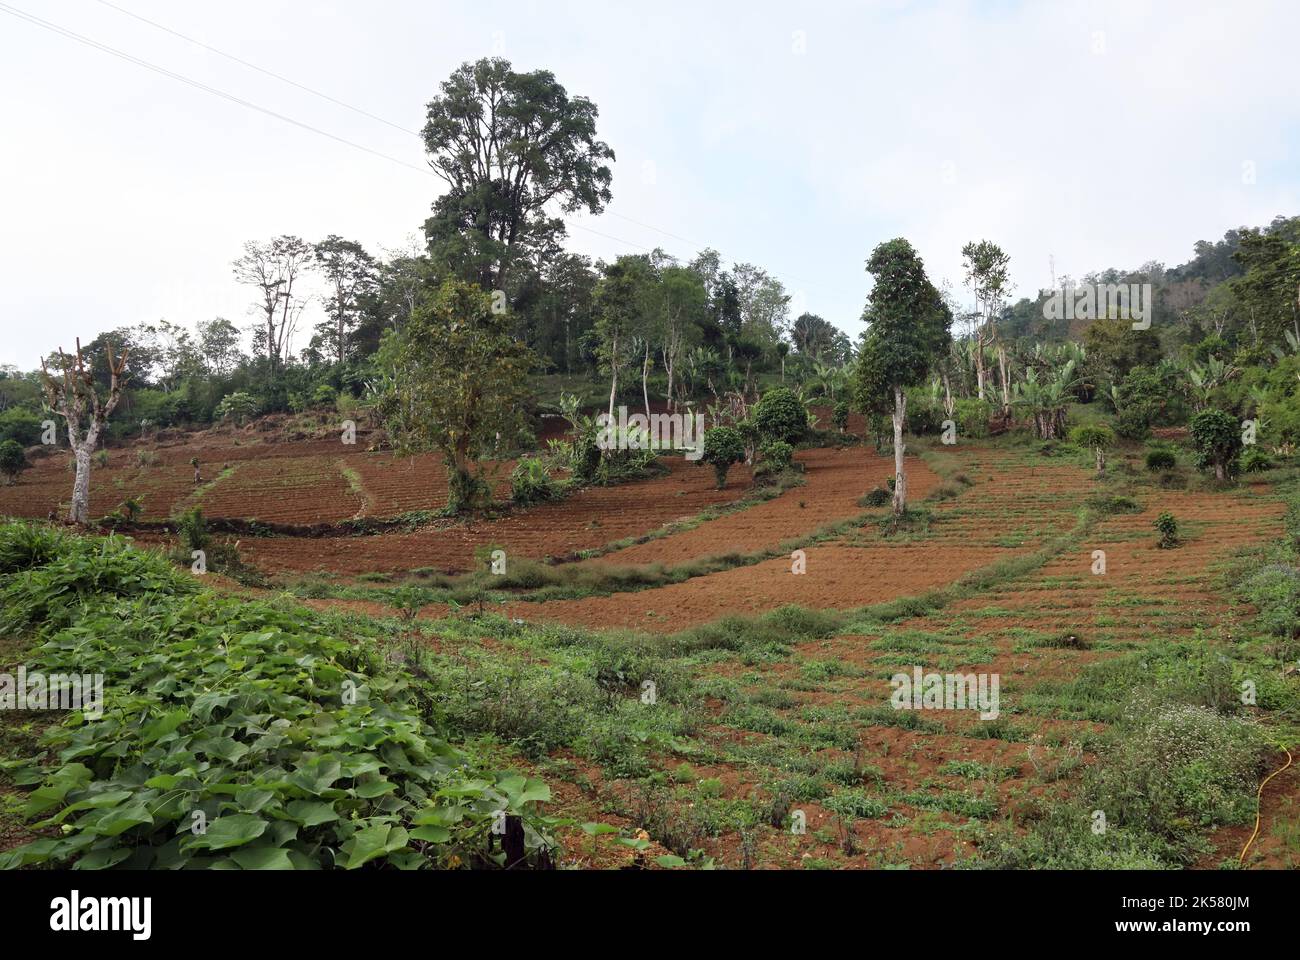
(792, 135)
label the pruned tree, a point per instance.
(72, 394)
(909, 328)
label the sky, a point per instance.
(795, 136)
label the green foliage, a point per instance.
(780, 415)
(876, 497)
(972, 416)
(1092, 436)
(13, 460)
(1256, 460)
(777, 454)
(530, 482)
(909, 326)
(455, 381)
(1274, 591)
(1167, 525)
(1217, 438)
(840, 415)
(1161, 458)
(723, 446)
(238, 406)
(283, 739)
(21, 426)
(193, 529)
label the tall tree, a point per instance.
(219, 346)
(507, 144)
(683, 302)
(274, 269)
(349, 274)
(620, 308)
(987, 276)
(908, 331)
(73, 394)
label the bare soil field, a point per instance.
(1000, 562)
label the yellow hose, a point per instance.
(1259, 804)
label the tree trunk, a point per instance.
(900, 478)
(79, 511)
(1101, 462)
(1006, 379)
(613, 383)
(979, 365)
(645, 380)
(668, 365)
(1220, 473)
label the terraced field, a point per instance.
(776, 682)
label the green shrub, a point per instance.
(193, 529)
(972, 416)
(1256, 460)
(723, 446)
(1217, 438)
(13, 460)
(780, 415)
(777, 454)
(1167, 526)
(840, 416)
(1160, 459)
(21, 426)
(876, 497)
(1094, 437)
(530, 483)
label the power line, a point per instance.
(232, 98)
(366, 113)
(198, 85)
(262, 70)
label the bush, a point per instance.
(723, 446)
(21, 426)
(840, 416)
(1256, 460)
(972, 416)
(530, 483)
(1217, 437)
(1133, 423)
(1167, 525)
(237, 406)
(780, 415)
(777, 454)
(193, 529)
(1096, 438)
(925, 419)
(1180, 767)
(877, 497)
(13, 460)
(1160, 459)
